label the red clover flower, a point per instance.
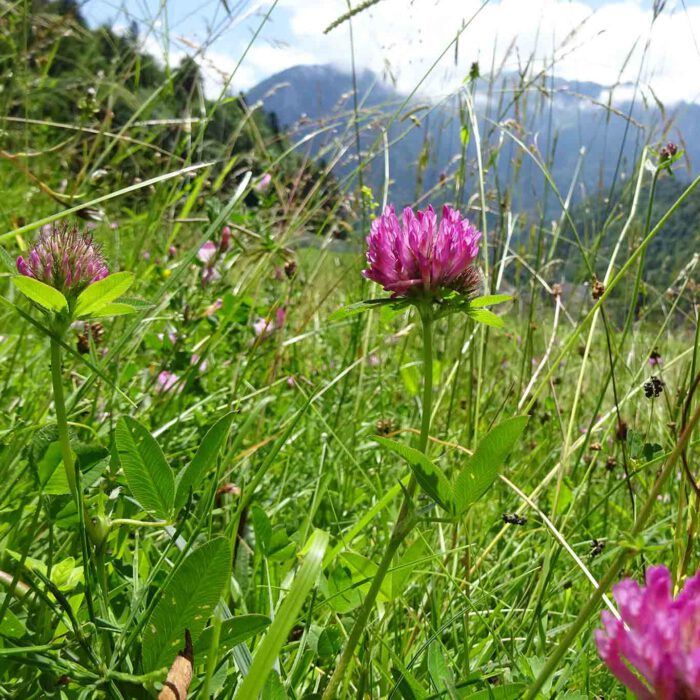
(419, 258)
(655, 648)
(64, 258)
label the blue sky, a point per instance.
(401, 39)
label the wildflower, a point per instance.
(172, 251)
(655, 359)
(263, 328)
(225, 242)
(655, 648)
(263, 182)
(64, 258)
(166, 381)
(668, 151)
(207, 253)
(213, 308)
(171, 336)
(373, 360)
(418, 258)
(202, 365)
(209, 275)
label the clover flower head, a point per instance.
(418, 257)
(64, 258)
(655, 648)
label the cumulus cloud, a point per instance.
(609, 42)
(612, 43)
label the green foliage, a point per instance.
(276, 635)
(96, 300)
(194, 434)
(147, 472)
(204, 460)
(481, 470)
(187, 602)
(42, 294)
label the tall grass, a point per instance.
(296, 495)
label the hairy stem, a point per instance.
(404, 522)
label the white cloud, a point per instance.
(403, 38)
(579, 42)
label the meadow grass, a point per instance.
(292, 502)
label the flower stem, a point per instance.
(612, 573)
(62, 420)
(87, 529)
(404, 523)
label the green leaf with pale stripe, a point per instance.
(117, 309)
(286, 617)
(40, 293)
(148, 474)
(429, 476)
(489, 300)
(482, 468)
(100, 294)
(187, 603)
(204, 460)
(233, 631)
(488, 318)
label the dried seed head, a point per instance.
(597, 547)
(91, 330)
(598, 288)
(514, 519)
(385, 426)
(653, 388)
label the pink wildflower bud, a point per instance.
(417, 258)
(206, 253)
(64, 258)
(166, 381)
(655, 648)
(209, 275)
(262, 328)
(225, 242)
(263, 182)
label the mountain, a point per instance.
(560, 119)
